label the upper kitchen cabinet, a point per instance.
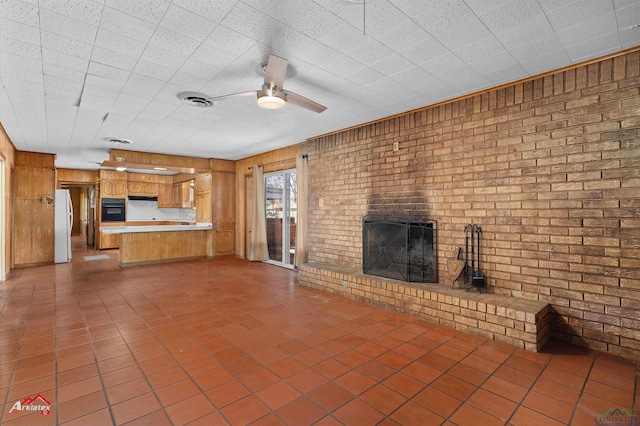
(203, 183)
(113, 184)
(165, 196)
(148, 189)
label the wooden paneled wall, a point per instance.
(280, 159)
(7, 156)
(34, 181)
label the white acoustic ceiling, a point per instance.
(77, 72)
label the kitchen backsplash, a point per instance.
(148, 210)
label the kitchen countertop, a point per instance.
(200, 226)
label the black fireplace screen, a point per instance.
(400, 248)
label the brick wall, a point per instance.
(550, 168)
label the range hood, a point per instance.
(142, 198)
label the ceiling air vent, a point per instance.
(196, 99)
(122, 141)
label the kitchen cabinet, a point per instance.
(203, 183)
(113, 184)
(203, 207)
(165, 196)
(109, 241)
(147, 189)
(183, 193)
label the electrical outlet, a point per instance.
(396, 146)
(345, 284)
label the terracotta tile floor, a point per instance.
(231, 342)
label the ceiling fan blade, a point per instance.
(303, 102)
(233, 95)
(276, 71)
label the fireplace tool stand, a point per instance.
(473, 276)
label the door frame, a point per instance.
(286, 221)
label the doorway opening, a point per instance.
(281, 209)
(84, 213)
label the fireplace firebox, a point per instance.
(400, 248)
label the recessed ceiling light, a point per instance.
(120, 169)
(195, 99)
(160, 168)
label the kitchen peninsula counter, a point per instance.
(143, 244)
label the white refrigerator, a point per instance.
(63, 224)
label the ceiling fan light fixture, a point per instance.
(270, 102)
(270, 98)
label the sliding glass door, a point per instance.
(281, 208)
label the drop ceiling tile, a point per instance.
(628, 15)
(66, 26)
(535, 48)
(546, 62)
(66, 45)
(364, 76)
(488, 64)
(603, 45)
(249, 21)
(443, 63)
(111, 58)
(15, 61)
(58, 71)
(344, 38)
(9, 72)
(370, 52)
(417, 78)
(64, 60)
(82, 10)
(511, 14)
(212, 10)
(500, 75)
(103, 83)
(19, 48)
(200, 69)
(285, 41)
(452, 76)
(157, 55)
(19, 31)
(119, 43)
(71, 97)
(143, 81)
(630, 37)
(148, 10)
(173, 42)
(423, 51)
(228, 40)
(343, 65)
(187, 23)
(156, 71)
(481, 6)
(209, 54)
(14, 85)
(20, 11)
(563, 15)
(531, 30)
(310, 19)
(480, 49)
(62, 83)
(392, 89)
(126, 25)
(191, 82)
(471, 84)
(586, 30)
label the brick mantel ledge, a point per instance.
(519, 322)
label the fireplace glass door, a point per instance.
(281, 208)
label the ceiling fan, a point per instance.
(271, 96)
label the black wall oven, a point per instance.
(113, 210)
